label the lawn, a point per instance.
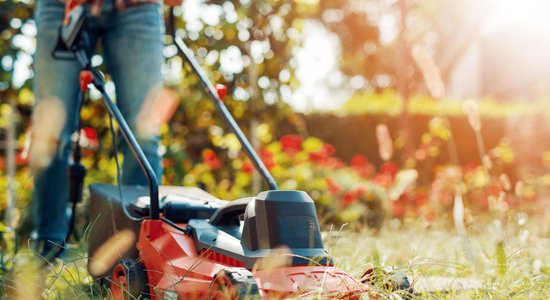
(492, 262)
(496, 260)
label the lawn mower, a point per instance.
(192, 245)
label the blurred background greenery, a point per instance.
(333, 100)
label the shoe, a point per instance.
(48, 250)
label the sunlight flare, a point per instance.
(107, 255)
(48, 122)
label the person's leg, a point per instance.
(57, 79)
(133, 45)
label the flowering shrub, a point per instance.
(359, 190)
(343, 192)
(486, 187)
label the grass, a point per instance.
(444, 266)
(495, 262)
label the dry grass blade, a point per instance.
(505, 182)
(385, 145)
(107, 254)
(158, 107)
(403, 181)
(28, 285)
(458, 218)
(471, 110)
(281, 257)
(48, 121)
(458, 214)
(519, 189)
(430, 72)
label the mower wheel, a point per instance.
(233, 284)
(129, 281)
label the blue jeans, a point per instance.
(132, 43)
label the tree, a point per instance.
(246, 45)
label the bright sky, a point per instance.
(317, 71)
(530, 14)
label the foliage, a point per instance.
(341, 192)
(368, 52)
(389, 103)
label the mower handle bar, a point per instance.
(137, 152)
(224, 112)
(74, 38)
(84, 60)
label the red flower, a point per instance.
(88, 138)
(348, 198)
(268, 158)
(333, 187)
(90, 133)
(421, 199)
(323, 154)
(21, 158)
(361, 165)
(389, 168)
(336, 163)
(398, 209)
(359, 161)
(330, 162)
(247, 167)
(494, 189)
(383, 179)
(291, 143)
(318, 156)
(359, 192)
(328, 149)
(211, 159)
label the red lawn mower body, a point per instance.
(218, 257)
(174, 267)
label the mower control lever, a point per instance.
(214, 95)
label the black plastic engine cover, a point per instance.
(278, 218)
(271, 220)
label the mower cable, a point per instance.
(119, 176)
(185, 230)
(77, 155)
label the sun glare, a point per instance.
(527, 14)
